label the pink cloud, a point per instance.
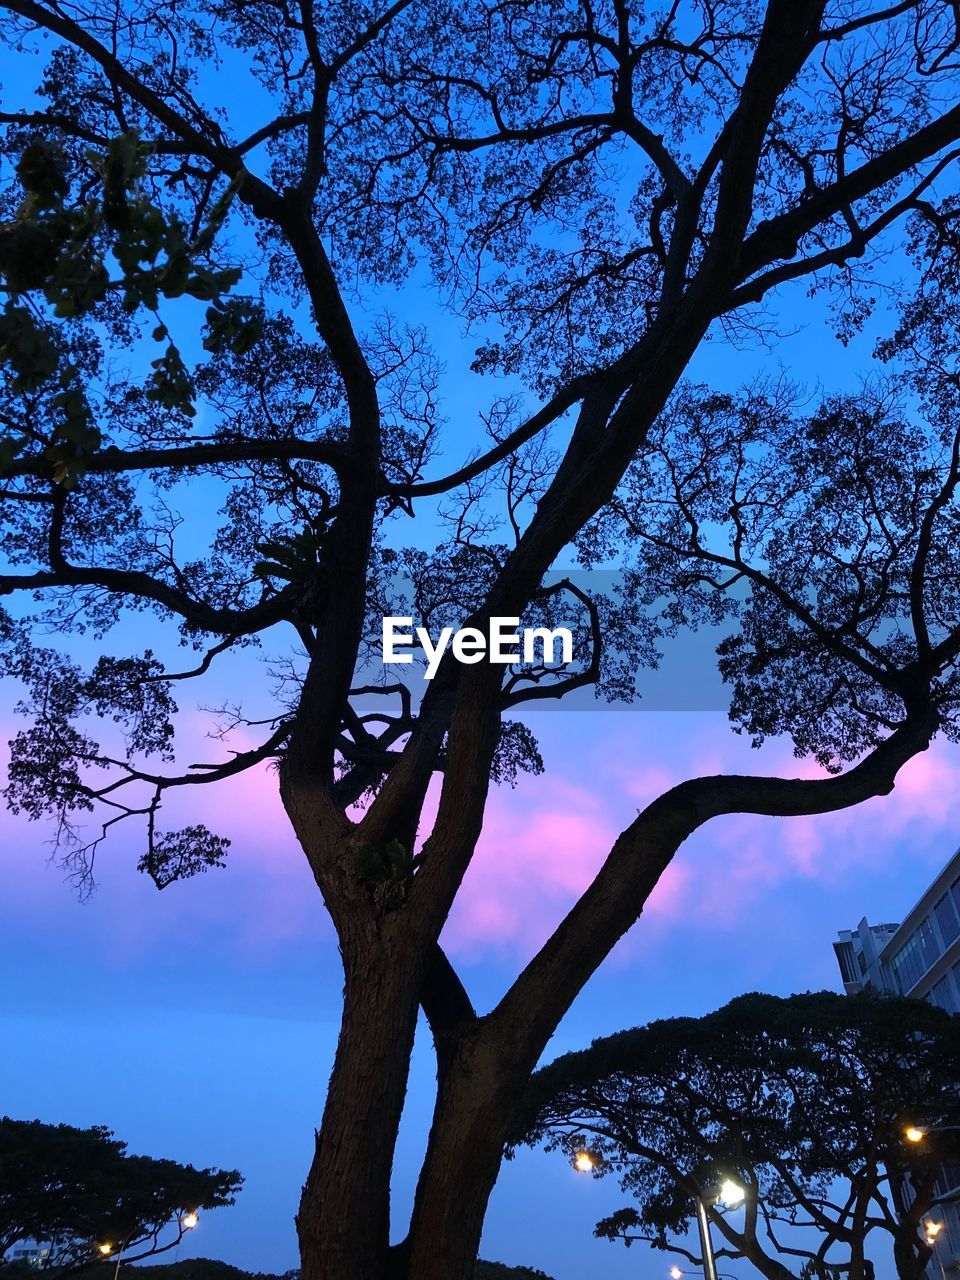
(264, 900)
(749, 857)
(540, 848)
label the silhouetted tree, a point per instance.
(77, 1191)
(196, 194)
(802, 1101)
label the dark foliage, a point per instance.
(803, 1101)
(78, 1189)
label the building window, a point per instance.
(907, 968)
(929, 948)
(844, 952)
(943, 995)
(948, 1179)
(915, 957)
(946, 913)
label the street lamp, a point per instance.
(729, 1194)
(916, 1133)
(187, 1222)
(932, 1230)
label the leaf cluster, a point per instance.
(86, 241)
(78, 1188)
(818, 538)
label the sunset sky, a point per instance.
(199, 1023)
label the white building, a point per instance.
(36, 1256)
(920, 958)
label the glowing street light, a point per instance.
(914, 1132)
(931, 1231)
(731, 1193)
(584, 1162)
(676, 1273)
(188, 1221)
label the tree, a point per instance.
(498, 1271)
(79, 1191)
(803, 1101)
(596, 188)
(208, 1269)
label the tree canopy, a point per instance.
(79, 1191)
(217, 219)
(803, 1101)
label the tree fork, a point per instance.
(481, 1074)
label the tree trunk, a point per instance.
(344, 1222)
(344, 1218)
(477, 1091)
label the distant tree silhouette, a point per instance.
(78, 1192)
(802, 1101)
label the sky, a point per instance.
(200, 1023)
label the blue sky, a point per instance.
(200, 1023)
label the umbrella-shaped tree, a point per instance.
(803, 1102)
(81, 1193)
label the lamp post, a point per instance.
(729, 1193)
(186, 1222)
(931, 1231)
(116, 1269)
(677, 1273)
(915, 1134)
(706, 1241)
(106, 1249)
